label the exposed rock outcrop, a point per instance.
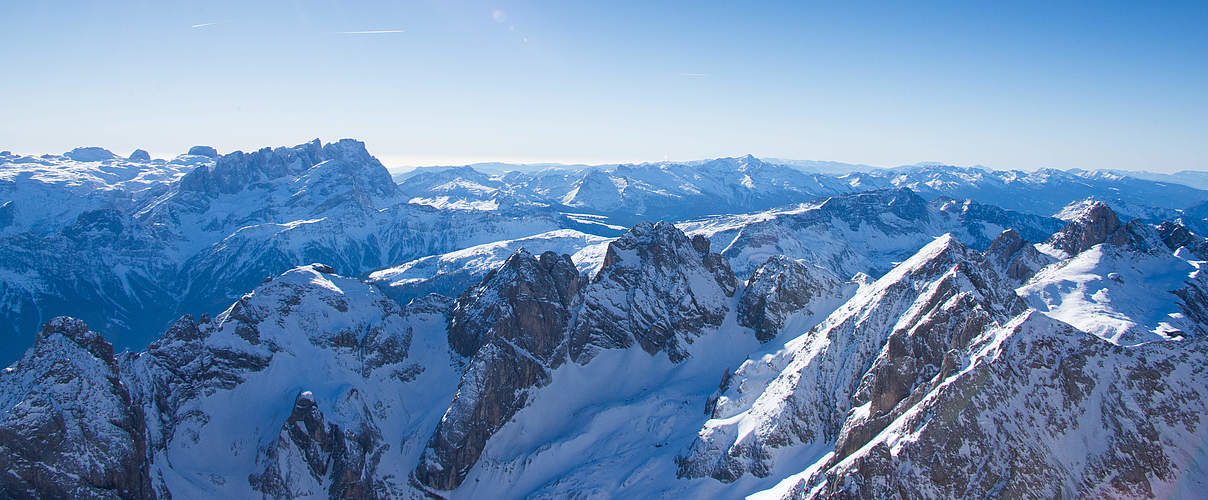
(512, 327)
(781, 287)
(68, 426)
(657, 289)
(1015, 258)
(874, 352)
(1176, 236)
(1097, 224)
(316, 457)
(1041, 410)
(305, 327)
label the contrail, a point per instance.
(204, 25)
(368, 32)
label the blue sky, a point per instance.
(1007, 85)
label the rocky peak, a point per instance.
(305, 328)
(512, 326)
(77, 333)
(207, 151)
(1176, 235)
(1005, 245)
(663, 245)
(656, 288)
(1096, 224)
(350, 150)
(236, 171)
(927, 345)
(140, 155)
(1011, 421)
(525, 301)
(781, 287)
(931, 261)
(935, 301)
(68, 428)
(1014, 257)
(302, 310)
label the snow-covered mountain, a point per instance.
(450, 273)
(129, 251)
(1042, 192)
(44, 194)
(935, 392)
(630, 193)
(677, 191)
(494, 335)
(542, 381)
(867, 232)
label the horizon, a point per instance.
(401, 168)
(396, 168)
(1018, 87)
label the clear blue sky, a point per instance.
(1007, 85)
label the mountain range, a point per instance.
(291, 323)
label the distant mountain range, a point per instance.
(677, 191)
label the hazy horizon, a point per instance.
(395, 167)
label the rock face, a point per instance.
(1176, 236)
(656, 288)
(1096, 225)
(782, 287)
(234, 172)
(352, 348)
(512, 327)
(454, 272)
(69, 427)
(313, 457)
(873, 353)
(1015, 258)
(1040, 410)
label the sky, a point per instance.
(1012, 85)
